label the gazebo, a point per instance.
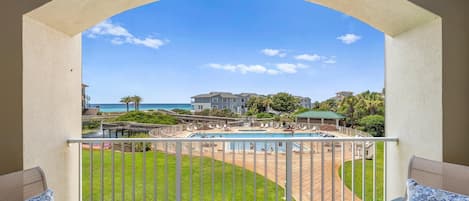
(322, 117)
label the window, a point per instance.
(215, 100)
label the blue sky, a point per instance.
(170, 50)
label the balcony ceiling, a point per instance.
(74, 16)
(389, 16)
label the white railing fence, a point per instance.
(352, 132)
(232, 169)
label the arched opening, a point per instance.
(414, 75)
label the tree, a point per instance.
(266, 103)
(347, 107)
(137, 100)
(258, 104)
(373, 124)
(328, 105)
(285, 102)
(301, 110)
(126, 100)
(316, 105)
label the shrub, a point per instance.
(181, 111)
(91, 124)
(217, 113)
(140, 146)
(373, 124)
(148, 117)
(264, 115)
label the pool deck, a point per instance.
(255, 130)
(307, 174)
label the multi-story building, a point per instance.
(84, 97)
(342, 94)
(305, 102)
(234, 102)
(220, 100)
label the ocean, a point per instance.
(122, 107)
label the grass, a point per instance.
(88, 131)
(198, 190)
(368, 175)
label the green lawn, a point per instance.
(88, 131)
(160, 178)
(368, 175)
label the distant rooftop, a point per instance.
(212, 94)
(320, 115)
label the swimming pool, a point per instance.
(253, 135)
(258, 146)
(252, 130)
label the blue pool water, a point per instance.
(259, 146)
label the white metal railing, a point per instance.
(279, 168)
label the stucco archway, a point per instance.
(51, 46)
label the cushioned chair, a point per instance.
(441, 175)
(22, 185)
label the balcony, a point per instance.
(224, 169)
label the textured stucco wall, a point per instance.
(11, 61)
(455, 76)
(414, 108)
(51, 105)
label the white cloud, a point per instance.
(273, 72)
(308, 57)
(260, 69)
(242, 68)
(349, 38)
(316, 57)
(290, 68)
(273, 52)
(120, 35)
(251, 68)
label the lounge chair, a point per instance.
(218, 126)
(440, 175)
(195, 127)
(304, 128)
(22, 185)
(266, 125)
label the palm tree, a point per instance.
(266, 103)
(126, 100)
(137, 99)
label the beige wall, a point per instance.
(413, 100)
(455, 77)
(11, 60)
(51, 105)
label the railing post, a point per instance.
(288, 183)
(178, 171)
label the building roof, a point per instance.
(320, 115)
(212, 94)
